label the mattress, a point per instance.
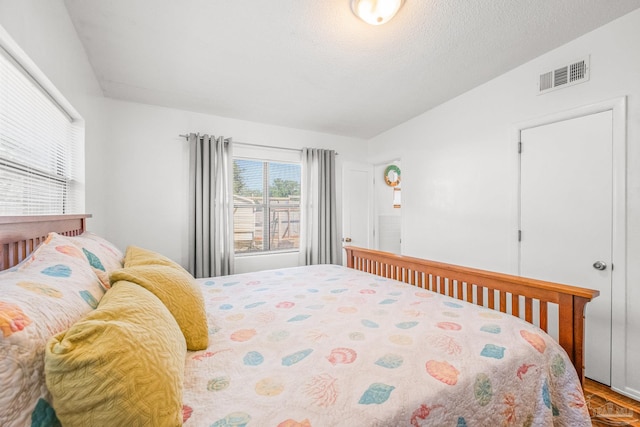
(331, 346)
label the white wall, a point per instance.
(459, 162)
(148, 173)
(45, 32)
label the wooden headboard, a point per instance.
(20, 235)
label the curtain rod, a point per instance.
(258, 145)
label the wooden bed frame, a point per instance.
(20, 235)
(469, 284)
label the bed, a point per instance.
(387, 340)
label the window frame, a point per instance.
(267, 156)
(71, 181)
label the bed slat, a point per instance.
(544, 319)
(528, 309)
(515, 305)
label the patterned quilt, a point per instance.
(330, 346)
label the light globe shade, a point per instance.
(376, 12)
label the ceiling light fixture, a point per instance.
(376, 12)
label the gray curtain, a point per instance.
(319, 237)
(211, 217)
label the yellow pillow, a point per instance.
(179, 292)
(121, 365)
(138, 256)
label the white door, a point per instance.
(357, 212)
(566, 219)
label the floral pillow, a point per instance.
(102, 255)
(44, 295)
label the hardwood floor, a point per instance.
(608, 408)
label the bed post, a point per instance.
(566, 336)
(579, 305)
(349, 256)
(571, 311)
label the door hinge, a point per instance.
(519, 147)
(519, 235)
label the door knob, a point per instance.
(600, 265)
(347, 239)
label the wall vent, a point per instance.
(565, 76)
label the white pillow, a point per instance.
(42, 296)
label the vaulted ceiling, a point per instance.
(311, 64)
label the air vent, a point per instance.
(577, 71)
(564, 76)
(546, 81)
(560, 76)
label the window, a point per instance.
(266, 205)
(41, 158)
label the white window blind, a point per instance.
(266, 205)
(41, 148)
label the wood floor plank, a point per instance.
(608, 408)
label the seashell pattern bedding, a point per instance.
(330, 346)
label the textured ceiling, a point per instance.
(311, 64)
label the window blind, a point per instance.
(40, 148)
(266, 198)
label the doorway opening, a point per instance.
(388, 206)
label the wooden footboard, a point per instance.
(469, 285)
(20, 235)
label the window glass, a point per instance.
(266, 213)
